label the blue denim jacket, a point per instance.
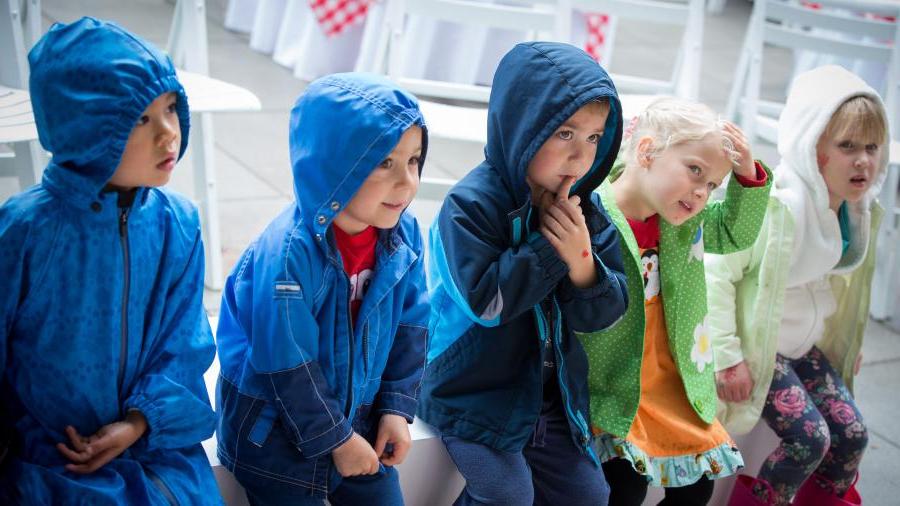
(297, 377)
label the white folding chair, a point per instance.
(685, 78)
(21, 155)
(788, 24)
(540, 19)
(188, 47)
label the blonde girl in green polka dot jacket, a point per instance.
(652, 388)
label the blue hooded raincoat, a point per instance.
(499, 290)
(101, 307)
(297, 377)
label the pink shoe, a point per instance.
(742, 493)
(818, 490)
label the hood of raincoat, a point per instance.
(90, 82)
(813, 98)
(531, 99)
(341, 128)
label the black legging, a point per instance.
(628, 488)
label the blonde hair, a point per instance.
(671, 121)
(858, 118)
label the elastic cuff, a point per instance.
(761, 177)
(327, 441)
(568, 291)
(553, 266)
(397, 404)
(143, 404)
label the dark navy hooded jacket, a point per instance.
(297, 377)
(101, 307)
(498, 287)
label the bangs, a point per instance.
(858, 119)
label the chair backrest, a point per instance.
(541, 17)
(791, 25)
(689, 14)
(187, 43)
(20, 28)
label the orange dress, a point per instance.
(667, 441)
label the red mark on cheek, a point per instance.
(822, 159)
(584, 253)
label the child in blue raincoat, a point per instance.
(103, 337)
(324, 319)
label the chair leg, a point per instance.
(207, 196)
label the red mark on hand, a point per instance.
(584, 253)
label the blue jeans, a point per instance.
(549, 470)
(382, 488)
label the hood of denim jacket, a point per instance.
(91, 81)
(341, 128)
(536, 88)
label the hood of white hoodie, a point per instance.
(814, 97)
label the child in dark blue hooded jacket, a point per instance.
(518, 266)
(103, 337)
(321, 360)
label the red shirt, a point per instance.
(358, 253)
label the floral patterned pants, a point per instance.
(820, 427)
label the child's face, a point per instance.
(388, 189)
(152, 148)
(678, 181)
(570, 151)
(848, 166)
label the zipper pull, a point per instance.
(123, 221)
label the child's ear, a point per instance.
(644, 151)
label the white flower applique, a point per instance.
(697, 244)
(702, 352)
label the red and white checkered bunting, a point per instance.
(334, 16)
(597, 25)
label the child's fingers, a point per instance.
(572, 209)
(77, 457)
(565, 187)
(401, 448)
(381, 442)
(95, 463)
(79, 443)
(101, 444)
(553, 224)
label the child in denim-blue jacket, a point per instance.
(324, 320)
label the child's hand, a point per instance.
(563, 224)
(745, 166)
(735, 383)
(91, 453)
(392, 429)
(355, 457)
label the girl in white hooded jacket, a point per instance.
(788, 315)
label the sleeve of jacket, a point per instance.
(402, 375)
(723, 272)
(267, 298)
(490, 280)
(170, 390)
(598, 307)
(732, 224)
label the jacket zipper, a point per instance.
(126, 263)
(349, 404)
(365, 341)
(578, 419)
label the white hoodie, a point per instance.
(809, 301)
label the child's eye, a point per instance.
(172, 108)
(872, 148)
(565, 135)
(712, 186)
(413, 161)
(846, 145)
(695, 170)
(595, 139)
(143, 120)
(387, 163)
